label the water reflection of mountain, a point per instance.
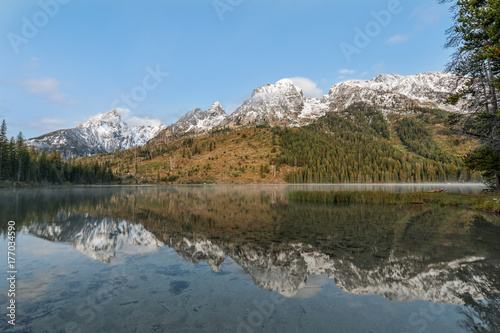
(286, 270)
(429, 253)
(97, 238)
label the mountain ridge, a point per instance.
(280, 104)
(284, 103)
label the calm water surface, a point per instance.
(245, 259)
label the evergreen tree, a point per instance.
(475, 36)
(20, 164)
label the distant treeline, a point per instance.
(22, 164)
(353, 147)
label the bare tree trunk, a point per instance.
(493, 93)
(497, 178)
(483, 83)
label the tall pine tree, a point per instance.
(475, 36)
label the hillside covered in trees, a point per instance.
(358, 145)
(20, 164)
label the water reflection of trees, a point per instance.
(483, 316)
(480, 316)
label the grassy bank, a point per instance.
(484, 202)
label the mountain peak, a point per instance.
(216, 105)
(112, 113)
(217, 110)
(284, 82)
(278, 104)
(197, 120)
(111, 116)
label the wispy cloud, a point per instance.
(47, 89)
(308, 86)
(398, 39)
(346, 71)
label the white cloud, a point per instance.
(309, 87)
(397, 39)
(346, 71)
(47, 88)
(127, 117)
(125, 113)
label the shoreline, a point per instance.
(485, 202)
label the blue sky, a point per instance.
(63, 61)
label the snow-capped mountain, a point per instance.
(198, 121)
(396, 92)
(104, 133)
(284, 104)
(279, 104)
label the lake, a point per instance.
(245, 259)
